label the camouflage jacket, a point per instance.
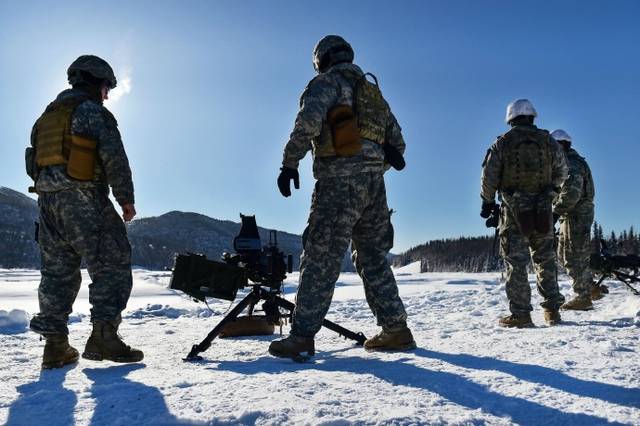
(493, 165)
(311, 130)
(92, 120)
(578, 190)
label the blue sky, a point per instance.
(213, 87)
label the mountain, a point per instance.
(18, 213)
(154, 240)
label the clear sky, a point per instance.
(209, 92)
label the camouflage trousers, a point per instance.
(347, 209)
(517, 250)
(81, 224)
(574, 248)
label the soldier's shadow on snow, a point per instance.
(33, 405)
(120, 400)
(451, 386)
(543, 375)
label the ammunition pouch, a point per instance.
(535, 221)
(251, 325)
(345, 133)
(82, 158)
(532, 213)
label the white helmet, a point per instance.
(561, 135)
(520, 107)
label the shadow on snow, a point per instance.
(458, 389)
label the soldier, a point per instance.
(574, 208)
(348, 126)
(526, 167)
(76, 153)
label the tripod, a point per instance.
(273, 302)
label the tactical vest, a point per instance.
(365, 118)
(527, 160)
(55, 145)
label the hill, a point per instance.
(154, 240)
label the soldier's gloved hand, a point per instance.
(128, 212)
(284, 180)
(487, 209)
(393, 156)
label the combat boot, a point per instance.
(579, 303)
(58, 352)
(295, 347)
(517, 321)
(391, 340)
(598, 292)
(552, 317)
(105, 344)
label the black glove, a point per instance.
(487, 209)
(556, 218)
(393, 156)
(284, 180)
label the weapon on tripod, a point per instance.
(624, 268)
(262, 268)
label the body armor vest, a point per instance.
(347, 125)
(55, 145)
(53, 134)
(527, 160)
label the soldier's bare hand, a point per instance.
(128, 212)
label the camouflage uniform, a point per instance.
(575, 208)
(516, 247)
(348, 205)
(78, 221)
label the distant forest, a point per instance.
(476, 254)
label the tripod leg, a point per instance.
(206, 343)
(358, 337)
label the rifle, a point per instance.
(493, 221)
(624, 268)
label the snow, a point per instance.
(16, 321)
(411, 268)
(467, 370)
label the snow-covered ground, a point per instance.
(467, 370)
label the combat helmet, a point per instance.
(518, 108)
(92, 70)
(331, 50)
(561, 135)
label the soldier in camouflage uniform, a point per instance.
(526, 167)
(574, 208)
(76, 153)
(349, 201)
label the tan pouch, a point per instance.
(344, 130)
(82, 158)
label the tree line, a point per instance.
(477, 254)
